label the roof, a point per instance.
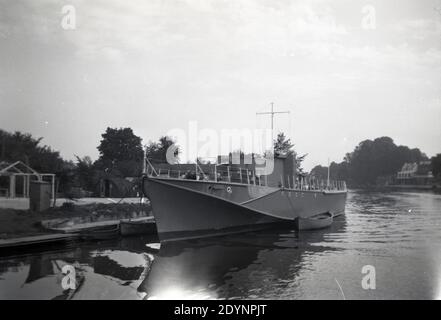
(7, 168)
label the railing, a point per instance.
(249, 177)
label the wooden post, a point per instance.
(248, 177)
(54, 203)
(53, 186)
(12, 186)
(24, 186)
(28, 185)
(215, 172)
(228, 171)
(240, 173)
(289, 183)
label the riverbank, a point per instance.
(414, 187)
(16, 223)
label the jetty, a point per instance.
(37, 240)
(81, 227)
(63, 234)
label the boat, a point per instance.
(319, 221)
(211, 204)
(137, 227)
(100, 233)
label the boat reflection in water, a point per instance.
(245, 265)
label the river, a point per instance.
(395, 236)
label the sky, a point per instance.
(346, 70)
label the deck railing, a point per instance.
(249, 177)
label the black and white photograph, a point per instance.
(222, 150)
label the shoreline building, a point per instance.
(415, 174)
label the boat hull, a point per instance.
(101, 233)
(191, 209)
(182, 213)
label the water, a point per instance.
(399, 234)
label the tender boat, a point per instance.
(318, 221)
(137, 227)
(100, 233)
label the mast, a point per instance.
(327, 183)
(272, 113)
(144, 167)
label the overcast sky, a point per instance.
(156, 65)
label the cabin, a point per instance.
(236, 167)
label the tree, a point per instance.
(373, 159)
(379, 158)
(436, 165)
(157, 151)
(284, 147)
(120, 152)
(319, 172)
(23, 147)
(337, 171)
(85, 172)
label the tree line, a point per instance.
(375, 159)
(121, 155)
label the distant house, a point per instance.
(415, 174)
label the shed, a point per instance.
(20, 171)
